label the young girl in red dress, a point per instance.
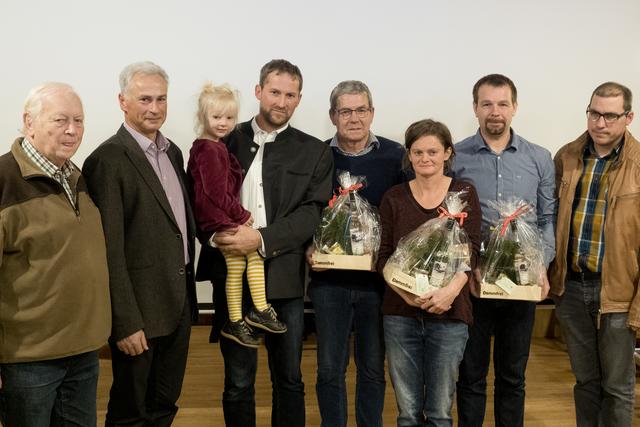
(217, 180)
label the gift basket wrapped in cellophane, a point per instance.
(427, 258)
(512, 264)
(348, 236)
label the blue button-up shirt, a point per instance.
(523, 170)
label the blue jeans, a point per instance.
(338, 309)
(601, 358)
(423, 358)
(58, 392)
(511, 323)
(284, 355)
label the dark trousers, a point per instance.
(146, 387)
(339, 310)
(284, 355)
(601, 355)
(511, 323)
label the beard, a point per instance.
(274, 118)
(495, 130)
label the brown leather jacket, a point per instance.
(620, 268)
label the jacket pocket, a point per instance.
(622, 242)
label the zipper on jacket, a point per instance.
(75, 205)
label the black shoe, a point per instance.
(266, 320)
(241, 333)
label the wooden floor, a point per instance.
(549, 387)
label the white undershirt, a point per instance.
(252, 194)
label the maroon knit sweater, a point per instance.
(400, 214)
(217, 180)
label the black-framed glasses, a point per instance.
(594, 116)
(361, 113)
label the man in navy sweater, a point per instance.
(346, 300)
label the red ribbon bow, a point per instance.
(344, 191)
(522, 209)
(460, 216)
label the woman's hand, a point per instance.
(408, 297)
(440, 300)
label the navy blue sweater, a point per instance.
(382, 168)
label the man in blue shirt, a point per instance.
(502, 165)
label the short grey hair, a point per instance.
(350, 87)
(147, 68)
(33, 103)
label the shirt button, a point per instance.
(499, 194)
(499, 175)
(498, 157)
(253, 149)
(260, 206)
(260, 184)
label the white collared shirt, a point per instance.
(252, 194)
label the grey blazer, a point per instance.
(148, 278)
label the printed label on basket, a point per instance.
(422, 284)
(505, 284)
(342, 262)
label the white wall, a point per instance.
(420, 58)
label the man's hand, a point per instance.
(241, 240)
(544, 282)
(308, 254)
(133, 345)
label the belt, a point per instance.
(583, 276)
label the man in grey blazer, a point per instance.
(137, 180)
(287, 182)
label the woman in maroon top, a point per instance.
(425, 335)
(217, 180)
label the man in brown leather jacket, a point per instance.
(594, 278)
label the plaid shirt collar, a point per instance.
(590, 150)
(51, 170)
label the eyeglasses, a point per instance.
(345, 113)
(594, 116)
